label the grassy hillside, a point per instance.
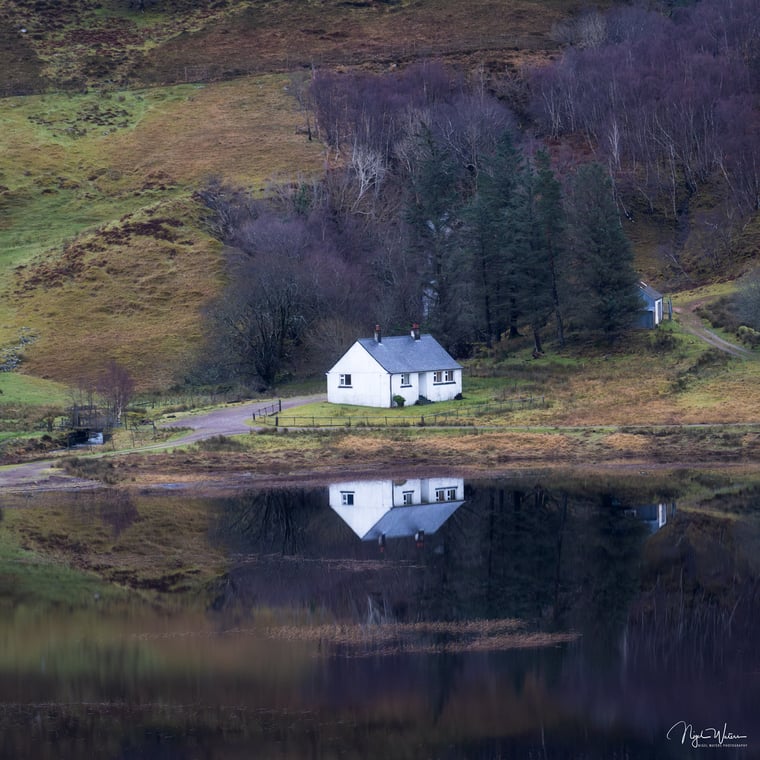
(82, 42)
(103, 254)
(102, 249)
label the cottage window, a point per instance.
(440, 494)
(406, 379)
(408, 498)
(438, 376)
(347, 498)
(451, 494)
(345, 381)
(443, 376)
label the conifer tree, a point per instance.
(550, 235)
(604, 283)
(495, 239)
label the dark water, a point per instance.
(402, 619)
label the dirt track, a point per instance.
(229, 420)
(693, 324)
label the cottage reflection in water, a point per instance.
(377, 510)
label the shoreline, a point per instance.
(44, 476)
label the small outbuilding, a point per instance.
(380, 371)
(650, 314)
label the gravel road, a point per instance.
(235, 419)
(229, 420)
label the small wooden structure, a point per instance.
(651, 312)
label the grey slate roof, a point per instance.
(403, 353)
(406, 521)
(649, 291)
(398, 522)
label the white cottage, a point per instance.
(374, 370)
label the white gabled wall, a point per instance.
(370, 383)
(658, 311)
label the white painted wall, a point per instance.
(658, 311)
(370, 383)
(410, 393)
(440, 391)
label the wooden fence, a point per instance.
(266, 411)
(464, 416)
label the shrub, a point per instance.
(662, 342)
(748, 336)
(399, 400)
(721, 313)
(92, 469)
(220, 443)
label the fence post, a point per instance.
(276, 421)
(279, 404)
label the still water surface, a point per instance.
(422, 618)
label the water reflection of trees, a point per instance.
(548, 556)
(499, 556)
(554, 557)
(269, 521)
(699, 609)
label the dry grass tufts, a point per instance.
(424, 637)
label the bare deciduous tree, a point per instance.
(116, 387)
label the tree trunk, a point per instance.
(537, 347)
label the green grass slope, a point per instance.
(103, 253)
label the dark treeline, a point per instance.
(559, 559)
(435, 210)
(669, 103)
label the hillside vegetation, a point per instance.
(102, 247)
(114, 119)
(86, 42)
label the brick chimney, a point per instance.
(378, 334)
(416, 331)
